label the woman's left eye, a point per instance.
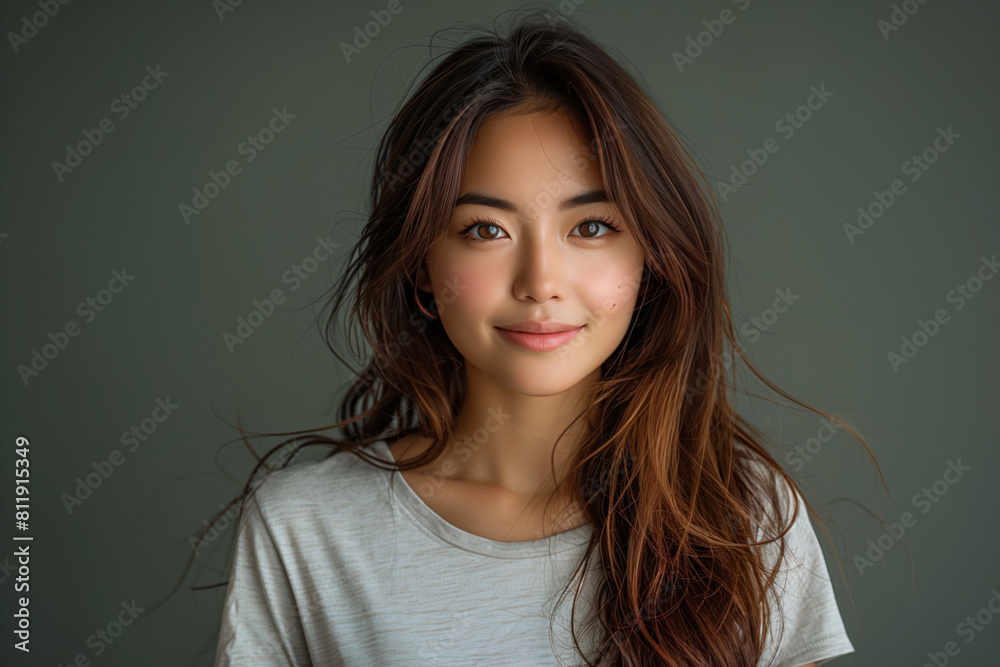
(590, 224)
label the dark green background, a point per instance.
(162, 336)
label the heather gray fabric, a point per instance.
(341, 563)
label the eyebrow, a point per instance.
(478, 198)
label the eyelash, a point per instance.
(477, 222)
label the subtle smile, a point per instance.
(539, 342)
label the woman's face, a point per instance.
(536, 257)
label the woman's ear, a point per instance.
(423, 278)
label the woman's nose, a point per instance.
(540, 274)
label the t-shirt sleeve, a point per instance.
(813, 628)
(260, 621)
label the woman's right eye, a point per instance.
(490, 227)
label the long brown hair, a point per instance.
(675, 481)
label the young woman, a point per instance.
(541, 284)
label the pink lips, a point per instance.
(539, 342)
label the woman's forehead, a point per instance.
(530, 154)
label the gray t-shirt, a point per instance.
(339, 562)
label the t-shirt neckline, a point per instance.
(455, 536)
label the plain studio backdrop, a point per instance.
(181, 181)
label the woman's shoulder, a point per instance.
(790, 511)
(330, 482)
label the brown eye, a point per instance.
(592, 228)
(492, 231)
(482, 230)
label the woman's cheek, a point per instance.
(466, 287)
(613, 289)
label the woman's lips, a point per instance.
(539, 342)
